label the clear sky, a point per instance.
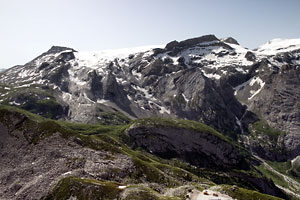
(30, 27)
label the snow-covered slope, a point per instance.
(96, 59)
(278, 46)
(213, 57)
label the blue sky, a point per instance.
(28, 28)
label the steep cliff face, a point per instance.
(195, 143)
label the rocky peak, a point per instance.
(57, 49)
(191, 42)
(197, 40)
(230, 40)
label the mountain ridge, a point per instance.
(205, 79)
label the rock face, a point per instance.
(231, 40)
(30, 170)
(202, 148)
(206, 79)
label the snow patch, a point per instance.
(256, 80)
(278, 46)
(186, 99)
(102, 101)
(94, 59)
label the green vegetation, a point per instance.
(244, 194)
(141, 192)
(263, 128)
(180, 123)
(277, 179)
(38, 100)
(287, 168)
(88, 189)
(86, 129)
(48, 108)
(113, 118)
(84, 189)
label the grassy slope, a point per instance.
(150, 168)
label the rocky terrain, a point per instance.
(249, 98)
(46, 159)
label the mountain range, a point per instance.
(249, 97)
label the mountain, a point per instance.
(250, 96)
(177, 81)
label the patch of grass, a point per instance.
(86, 129)
(180, 174)
(144, 193)
(83, 189)
(287, 169)
(146, 172)
(180, 123)
(113, 118)
(277, 179)
(5, 110)
(281, 167)
(48, 108)
(263, 128)
(244, 194)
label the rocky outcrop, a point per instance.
(231, 40)
(202, 148)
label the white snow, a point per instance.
(67, 173)
(66, 96)
(122, 187)
(213, 57)
(136, 74)
(163, 110)
(14, 103)
(93, 59)
(102, 101)
(298, 157)
(256, 80)
(279, 45)
(215, 76)
(251, 82)
(75, 79)
(186, 99)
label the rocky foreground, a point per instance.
(45, 159)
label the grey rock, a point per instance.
(202, 149)
(231, 40)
